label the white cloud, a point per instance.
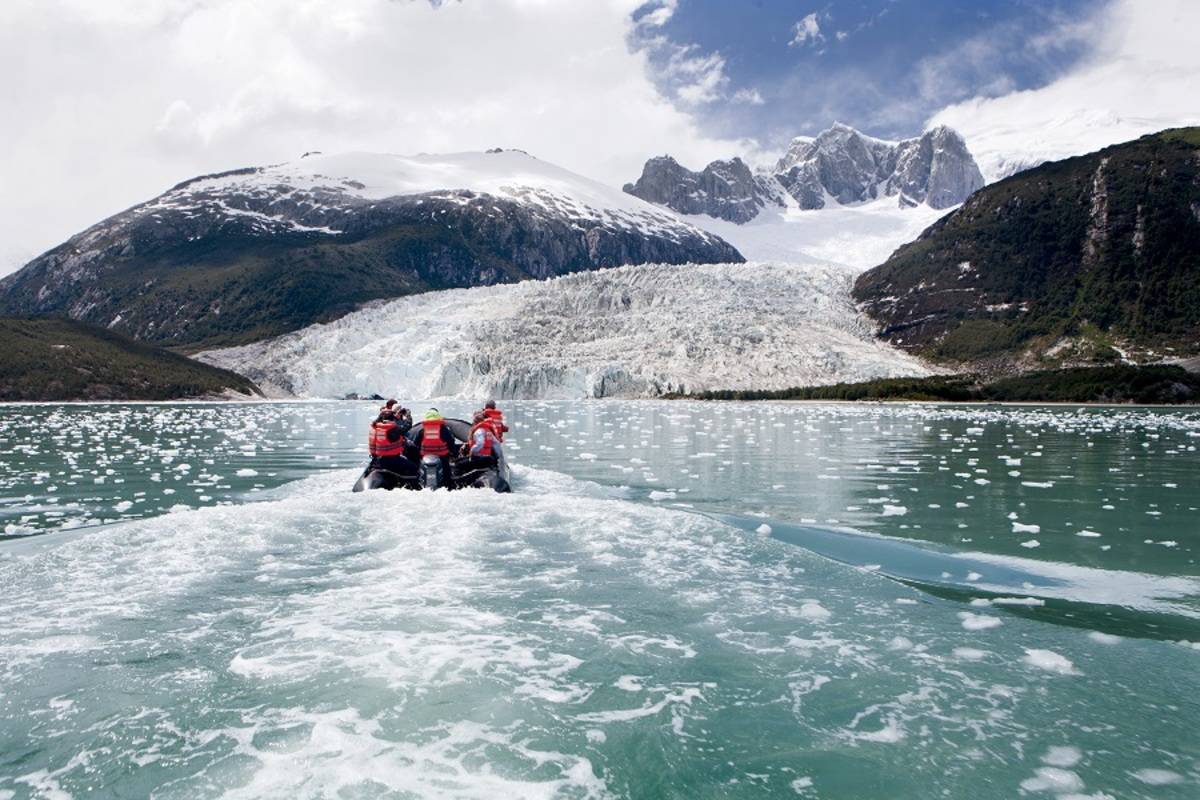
(1141, 76)
(108, 104)
(697, 77)
(749, 96)
(659, 13)
(807, 31)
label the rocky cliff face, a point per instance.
(1095, 258)
(253, 253)
(726, 190)
(841, 165)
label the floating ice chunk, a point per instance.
(1018, 601)
(586, 456)
(658, 496)
(1049, 661)
(1062, 756)
(969, 653)
(1103, 638)
(1088, 534)
(973, 576)
(246, 473)
(763, 529)
(1038, 484)
(1052, 779)
(1158, 777)
(894, 511)
(900, 643)
(982, 481)
(978, 622)
(814, 611)
(597, 736)
(801, 784)
(1020, 527)
(1031, 543)
(123, 506)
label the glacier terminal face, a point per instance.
(626, 332)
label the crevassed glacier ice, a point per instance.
(632, 331)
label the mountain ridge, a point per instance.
(49, 359)
(1091, 259)
(253, 252)
(841, 166)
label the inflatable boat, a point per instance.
(414, 472)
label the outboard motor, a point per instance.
(431, 476)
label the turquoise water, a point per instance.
(679, 600)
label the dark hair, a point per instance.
(490, 404)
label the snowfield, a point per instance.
(859, 236)
(632, 331)
(312, 193)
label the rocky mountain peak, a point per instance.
(725, 189)
(841, 165)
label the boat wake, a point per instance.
(470, 644)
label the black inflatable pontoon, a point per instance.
(413, 472)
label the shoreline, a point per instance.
(329, 401)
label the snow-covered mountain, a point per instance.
(633, 331)
(841, 166)
(251, 253)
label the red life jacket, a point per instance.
(431, 439)
(496, 417)
(488, 434)
(378, 444)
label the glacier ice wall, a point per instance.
(632, 331)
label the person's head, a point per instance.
(490, 404)
(389, 403)
(479, 416)
(386, 414)
(433, 414)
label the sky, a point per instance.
(781, 68)
(107, 103)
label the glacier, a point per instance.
(631, 331)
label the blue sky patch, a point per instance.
(773, 69)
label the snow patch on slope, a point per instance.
(326, 184)
(857, 236)
(631, 331)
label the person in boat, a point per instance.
(496, 417)
(482, 448)
(386, 443)
(403, 416)
(435, 439)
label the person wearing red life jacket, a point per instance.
(482, 448)
(386, 443)
(496, 418)
(435, 439)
